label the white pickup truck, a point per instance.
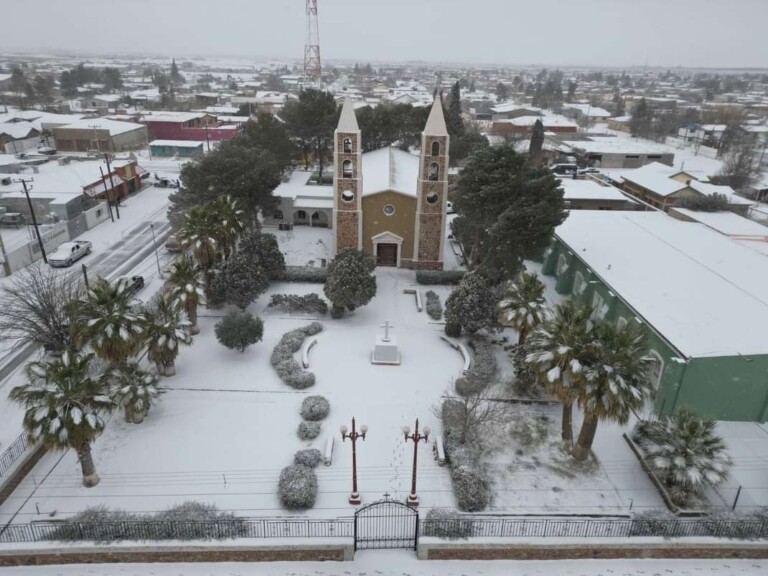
(67, 253)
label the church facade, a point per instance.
(389, 203)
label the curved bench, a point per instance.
(417, 293)
(463, 350)
(306, 346)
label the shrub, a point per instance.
(337, 312)
(297, 487)
(238, 330)
(472, 304)
(483, 369)
(470, 384)
(305, 274)
(452, 329)
(653, 523)
(471, 489)
(525, 377)
(432, 277)
(309, 430)
(282, 360)
(310, 458)
(295, 303)
(351, 282)
(186, 521)
(448, 524)
(315, 408)
(434, 308)
(264, 251)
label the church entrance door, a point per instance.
(386, 255)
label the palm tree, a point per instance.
(229, 223)
(184, 282)
(558, 348)
(200, 232)
(615, 382)
(64, 407)
(165, 332)
(134, 389)
(523, 305)
(106, 320)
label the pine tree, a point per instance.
(502, 92)
(471, 305)
(350, 282)
(523, 306)
(453, 119)
(642, 120)
(618, 104)
(176, 77)
(537, 142)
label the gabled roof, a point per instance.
(390, 169)
(348, 120)
(436, 121)
(17, 130)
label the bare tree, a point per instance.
(466, 417)
(35, 308)
(740, 170)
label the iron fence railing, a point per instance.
(462, 528)
(16, 450)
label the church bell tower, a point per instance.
(432, 192)
(347, 182)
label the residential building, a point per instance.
(176, 149)
(18, 137)
(614, 152)
(523, 125)
(592, 194)
(195, 126)
(101, 135)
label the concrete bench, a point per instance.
(463, 350)
(328, 460)
(417, 294)
(306, 346)
(438, 451)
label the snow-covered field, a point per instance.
(401, 563)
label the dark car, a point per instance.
(133, 284)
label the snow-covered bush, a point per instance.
(263, 250)
(309, 430)
(295, 303)
(685, 453)
(470, 384)
(310, 458)
(483, 370)
(337, 312)
(286, 366)
(297, 487)
(452, 329)
(471, 489)
(434, 308)
(472, 304)
(238, 330)
(186, 521)
(315, 408)
(432, 277)
(653, 523)
(525, 376)
(351, 282)
(305, 274)
(448, 524)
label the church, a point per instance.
(389, 203)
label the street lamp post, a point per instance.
(413, 499)
(354, 497)
(154, 243)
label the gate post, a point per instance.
(355, 532)
(416, 535)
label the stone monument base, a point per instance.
(385, 352)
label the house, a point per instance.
(523, 125)
(5, 82)
(509, 110)
(698, 295)
(585, 113)
(18, 137)
(614, 152)
(100, 134)
(743, 230)
(389, 203)
(620, 123)
(194, 126)
(176, 149)
(592, 194)
(707, 134)
(662, 186)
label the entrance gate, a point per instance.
(386, 524)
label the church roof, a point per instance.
(348, 120)
(390, 169)
(436, 121)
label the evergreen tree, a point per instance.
(267, 133)
(64, 406)
(642, 120)
(537, 142)
(68, 84)
(350, 282)
(618, 104)
(508, 209)
(502, 92)
(111, 79)
(18, 80)
(311, 120)
(243, 280)
(265, 251)
(453, 118)
(471, 305)
(176, 77)
(523, 306)
(572, 85)
(44, 88)
(239, 330)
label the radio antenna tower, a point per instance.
(312, 67)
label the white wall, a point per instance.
(96, 215)
(22, 145)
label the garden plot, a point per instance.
(227, 426)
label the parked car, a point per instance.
(173, 245)
(449, 207)
(69, 252)
(12, 220)
(46, 150)
(564, 169)
(133, 283)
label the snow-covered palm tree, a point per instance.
(230, 223)
(615, 380)
(134, 389)
(106, 319)
(185, 283)
(523, 306)
(687, 452)
(558, 348)
(200, 232)
(166, 330)
(65, 406)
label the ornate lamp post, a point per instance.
(354, 497)
(413, 499)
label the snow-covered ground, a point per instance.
(401, 563)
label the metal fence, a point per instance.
(463, 528)
(16, 450)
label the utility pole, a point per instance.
(34, 218)
(6, 264)
(106, 193)
(85, 277)
(207, 138)
(112, 182)
(154, 243)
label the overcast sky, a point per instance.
(705, 33)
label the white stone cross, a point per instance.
(386, 327)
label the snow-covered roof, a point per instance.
(613, 145)
(505, 107)
(179, 117)
(16, 130)
(114, 127)
(587, 110)
(547, 121)
(727, 223)
(702, 291)
(589, 189)
(390, 169)
(177, 143)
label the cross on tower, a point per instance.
(386, 327)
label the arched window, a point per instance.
(578, 284)
(347, 146)
(435, 148)
(562, 264)
(433, 197)
(347, 196)
(315, 216)
(346, 169)
(301, 215)
(655, 369)
(434, 171)
(278, 215)
(621, 323)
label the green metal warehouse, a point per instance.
(702, 297)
